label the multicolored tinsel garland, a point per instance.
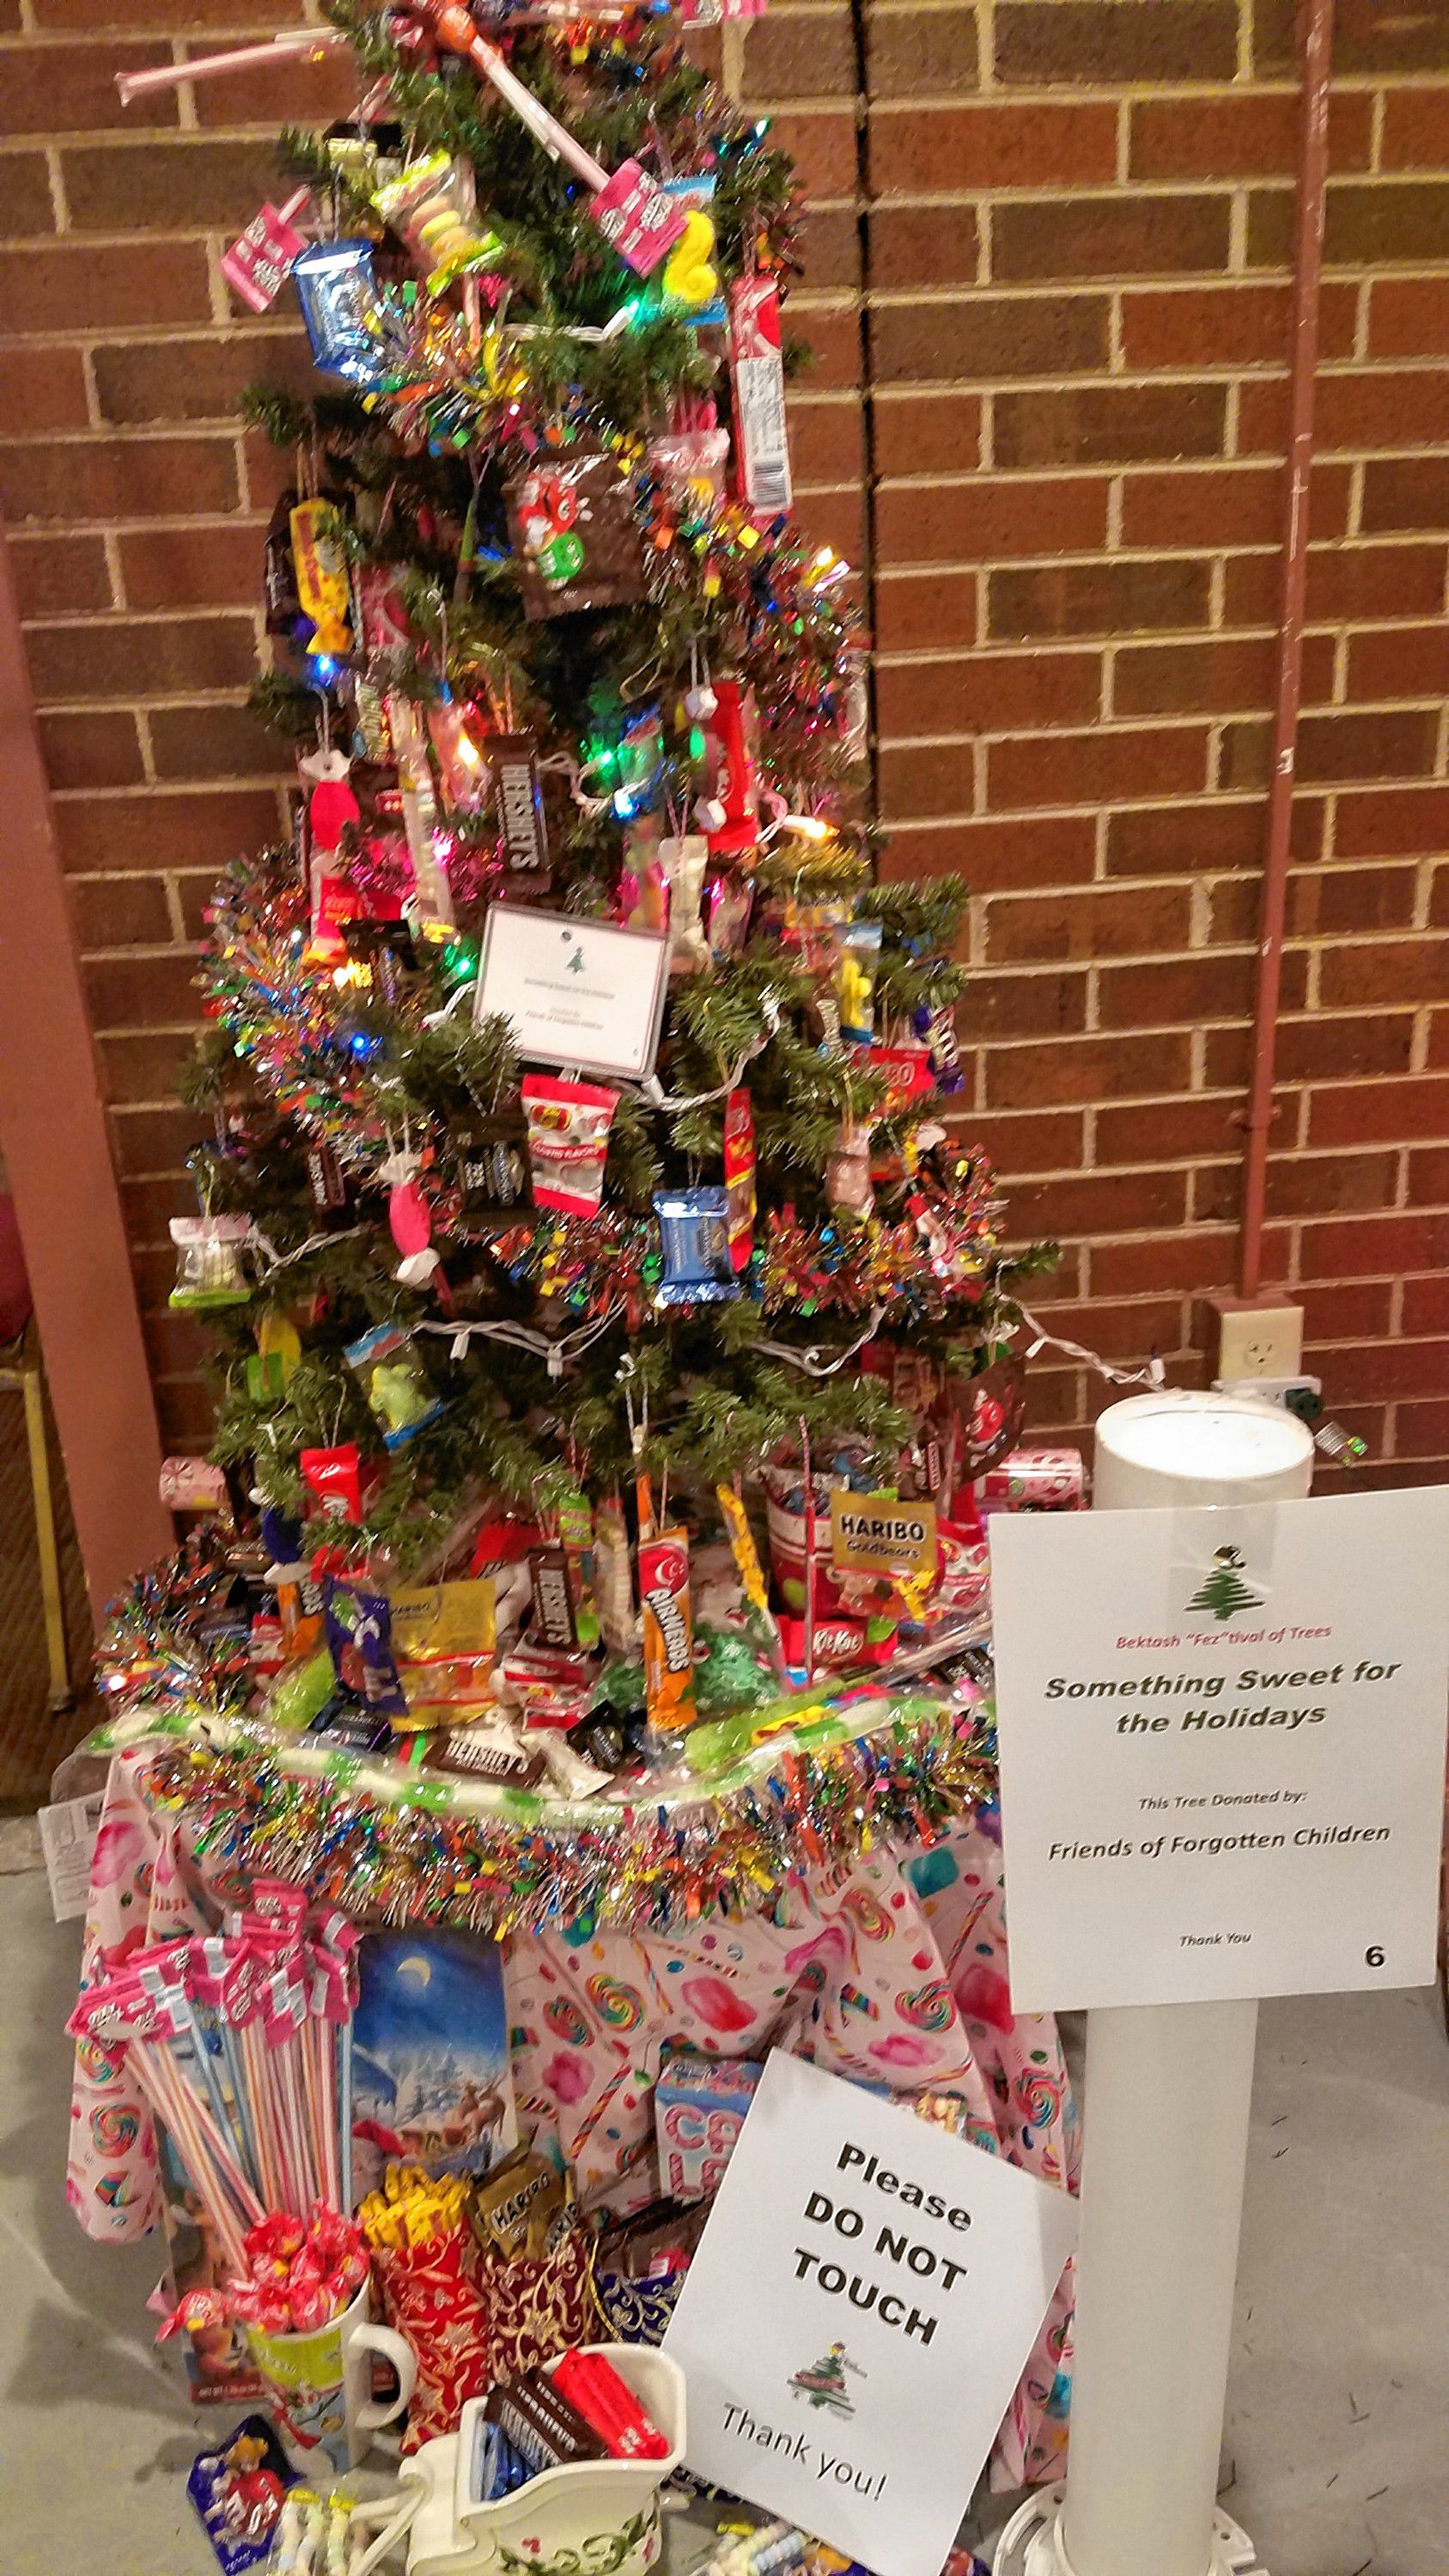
(408, 1850)
(836, 1265)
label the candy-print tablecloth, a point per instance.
(893, 1974)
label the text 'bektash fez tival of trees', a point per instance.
(580, 1160)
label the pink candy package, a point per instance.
(699, 2110)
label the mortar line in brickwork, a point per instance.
(1378, 119)
(55, 175)
(1232, 418)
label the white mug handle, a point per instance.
(396, 2349)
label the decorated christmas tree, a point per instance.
(586, 1195)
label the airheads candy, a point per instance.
(668, 1631)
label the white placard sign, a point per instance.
(582, 994)
(68, 1841)
(864, 2298)
(1222, 1747)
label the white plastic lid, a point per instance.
(1205, 1437)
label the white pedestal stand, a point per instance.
(1168, 2094)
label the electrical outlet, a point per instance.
(1300, 1395)
(1258, 1336)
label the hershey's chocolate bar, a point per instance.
(513, 760)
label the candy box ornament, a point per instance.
(208, 1261)
(257, 264)
(190, 1484)
(700, 2105)
(600, 2514)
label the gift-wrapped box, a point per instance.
(1035, 1480)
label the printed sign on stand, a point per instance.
(901, 2276)
(1222, 1747)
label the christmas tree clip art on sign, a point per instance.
(1223, 1590)
(824, 2382)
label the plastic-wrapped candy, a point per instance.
(568, 1140)
(694, 1228)
(574, 534)
(689, 279)
(847, 1174)
(513, 768)
(757, 375)
(728, 811)
(739, 1172)
(259, 261)
(341, 308)
(208, 1269)
(359, 1640)
(429, 206)
(857, 959)
(462, 773)
(322, 583)
(935, 1026)
(690, 463)
(394, 1382)
(683, 861)
(728, 902)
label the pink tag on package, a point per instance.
(699, 2110)
(636, 218)
(259, 261)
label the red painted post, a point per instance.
(1316, 25)
(58, 1159)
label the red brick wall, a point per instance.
(1075, 217)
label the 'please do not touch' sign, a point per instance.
(862, 2303)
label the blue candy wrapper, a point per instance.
(339, 300)
(497, 2467)
(359, 1640)
(239, 2490)
(695, 1234)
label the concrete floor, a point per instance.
(1335, 2436)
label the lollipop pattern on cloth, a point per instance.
(895, 1976)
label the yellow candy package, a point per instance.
(321, 567)
(444, 1639)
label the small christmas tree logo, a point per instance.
(824, 2382)
(1223, 1591)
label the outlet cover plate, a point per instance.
(1258, 1336)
